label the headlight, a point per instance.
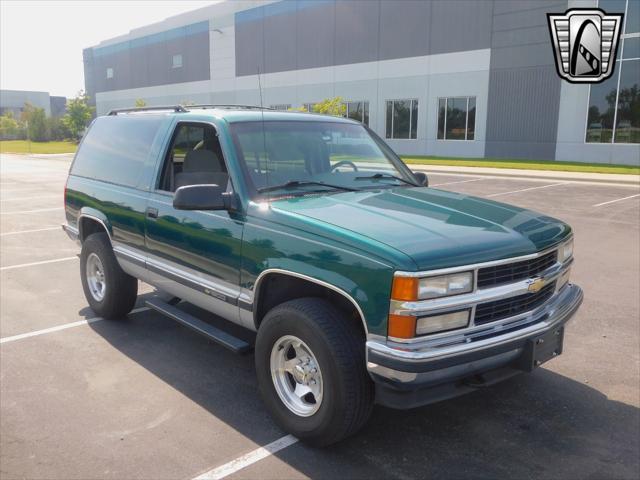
(445, 285)
(565, 252)
(442, 323)
(408, 326)
(413, 288)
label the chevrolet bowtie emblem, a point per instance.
(536, 285)
(585, 43)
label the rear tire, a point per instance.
(111, 293)
(296, 338)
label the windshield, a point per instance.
(302, 157)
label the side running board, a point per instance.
(225, 339)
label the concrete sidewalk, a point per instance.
(618, 179)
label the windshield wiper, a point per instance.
(385, 176)
(303, 183)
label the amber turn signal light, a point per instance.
(404, 288)
(401, 326)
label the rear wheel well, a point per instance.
(277, 288)
(88, 226)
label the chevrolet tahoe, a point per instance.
(358, 282)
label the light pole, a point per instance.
(28, 139)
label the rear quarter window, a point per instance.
(116, 147)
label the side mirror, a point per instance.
(422, 178)
(201, 197)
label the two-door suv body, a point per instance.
(360, 283)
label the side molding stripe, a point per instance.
(245, 306)
(139, 260)
(154, 266)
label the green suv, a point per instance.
(353, 281)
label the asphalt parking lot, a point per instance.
(146, 398)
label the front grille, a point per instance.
(509, 307)
(512, 272)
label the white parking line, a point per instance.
(33, 264)
(617, 200)
(248, 459)
(64, 326)
(32, 211)
(461, 181)
(36, 197)
(527, 189)
(33, 190)
(19, 190)
(30, 231)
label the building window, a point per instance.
(358, 111)
(177, 61)
(109, 72)
(281, 106)
(614, 105)
(456, 118)
(631, 10)
(402, 119)
(309, 106)
(628, 105)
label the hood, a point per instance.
(435, 228)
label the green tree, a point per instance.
(140, 103)
(57, 129)
(36, 121)
(9, 128)
(331, 106)
(78, 115)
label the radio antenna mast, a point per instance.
(264, 134)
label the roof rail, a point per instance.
(175, 108)
(229, 106)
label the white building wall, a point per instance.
(425, 78)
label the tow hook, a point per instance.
(475, 381)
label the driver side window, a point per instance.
(193, 158)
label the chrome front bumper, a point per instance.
(420, 365)
(71, 232)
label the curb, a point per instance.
(46, 156)
(49, 155)
(606, 178)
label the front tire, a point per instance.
(310, 364)
(111, 293)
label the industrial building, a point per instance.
(14, 101)
(464, 78)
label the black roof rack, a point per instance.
(229, 106)
(185, 108)
(175, 108)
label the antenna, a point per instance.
(264, 134)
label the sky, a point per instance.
(41, 42)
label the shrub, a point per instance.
(35, 120)
(331, 106)
(9, 127)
